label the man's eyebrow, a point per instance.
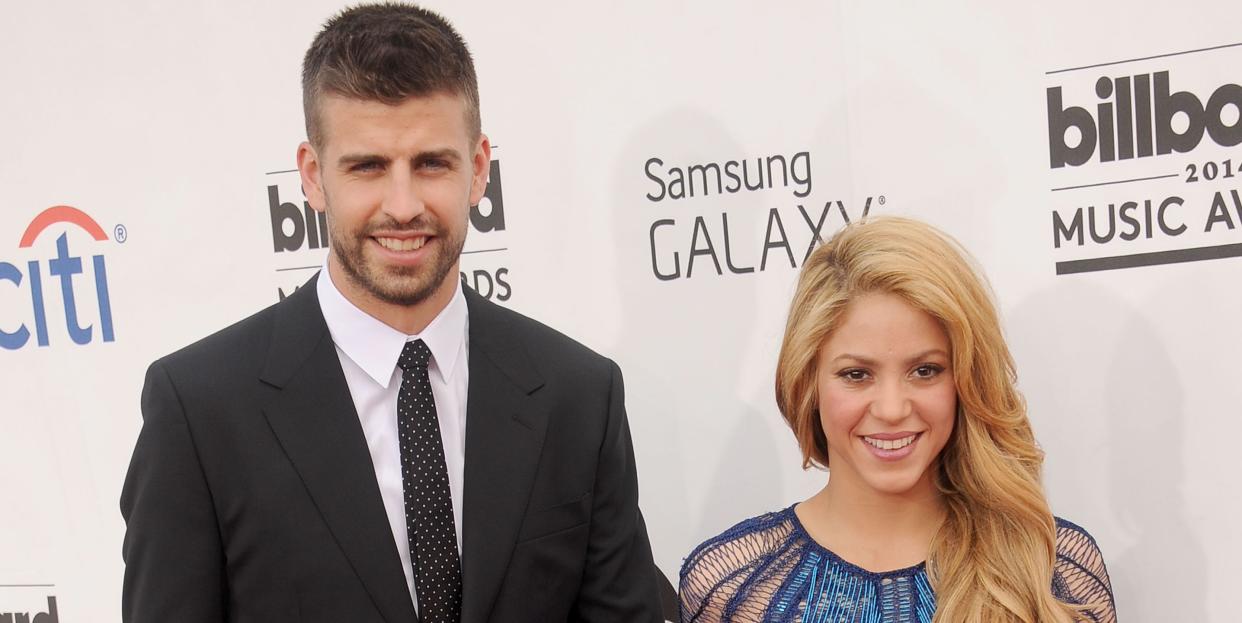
(448, 153)
(349, 160)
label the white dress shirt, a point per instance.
(368, 350)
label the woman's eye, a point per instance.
(853, 375)
(927, 371)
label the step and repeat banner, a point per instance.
(661, 171)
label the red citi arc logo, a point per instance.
(63, 266)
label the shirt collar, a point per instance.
(375, 346)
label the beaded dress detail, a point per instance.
(769, 570)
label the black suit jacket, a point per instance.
(251, 495)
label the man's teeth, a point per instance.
(890, 444)
(402, 244)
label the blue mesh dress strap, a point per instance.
(736, 575)
(1079, 576)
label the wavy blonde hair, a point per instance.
(992, 559)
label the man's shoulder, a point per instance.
(238, 347)
(544, 344)
(246, 343)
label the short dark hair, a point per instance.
(387, 52)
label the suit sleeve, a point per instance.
(174, 560)
(619, 584)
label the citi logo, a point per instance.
(1135, 118)
(295, 228)
(65, 266)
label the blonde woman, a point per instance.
(894, 375)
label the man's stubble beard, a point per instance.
(406, 286)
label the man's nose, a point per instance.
(403, 201)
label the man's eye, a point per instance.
(435, 163)
(365, 167)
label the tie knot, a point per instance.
(414, 356)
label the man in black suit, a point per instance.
(385, 444)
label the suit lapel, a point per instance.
(316, 422)
(504, 437)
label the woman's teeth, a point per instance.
(890, 444)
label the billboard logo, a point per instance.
(1134, 110)
(51, 616)
(489, 215)
(1139, 215)
(489, 279)
(64, 267)
(293, 229)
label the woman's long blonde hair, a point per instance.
(992, 559)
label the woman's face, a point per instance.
(887, 400)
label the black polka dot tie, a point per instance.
(428, 507)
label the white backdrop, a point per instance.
(169, 125)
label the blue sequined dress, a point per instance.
(768, 569)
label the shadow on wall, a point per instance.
(1146, 420)
(706, 457)
(1074, 341)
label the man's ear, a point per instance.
(482, 165)
(311, 170)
